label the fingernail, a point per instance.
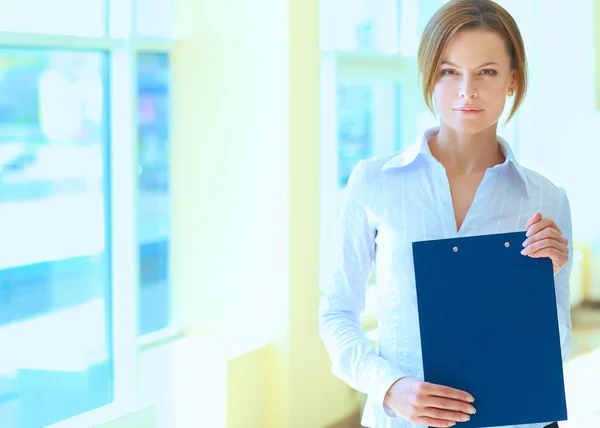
(470, 399)
(526, 242)
(465, 418)
(524, 252)
(471, 410)
(451, 424)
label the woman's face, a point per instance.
(474, 80)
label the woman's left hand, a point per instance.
(545, 239)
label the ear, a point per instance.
(513, 82)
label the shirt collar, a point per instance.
(410, 154)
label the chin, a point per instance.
(469, 125)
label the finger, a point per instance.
(432, 422)
(546, 233)
(533, 219)
(559, 259)
(445, 415)
(448, 404)
(446, 392)
(542, 224)
(543, 244)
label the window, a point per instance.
(370, 80)
(84, 18)
(153, 18)
(84, 202)
(360, 25)
(54, 277)
(368, 117)
(387, 26)
(154, 197)
(371, 101)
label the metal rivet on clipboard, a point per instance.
(507, 244)
(455, 249)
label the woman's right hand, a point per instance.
(429, 404)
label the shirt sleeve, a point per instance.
(562, 280)
(354, 359)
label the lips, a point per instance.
(468, 109)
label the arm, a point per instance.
(562, 283)
(553, 239)
(354, 359)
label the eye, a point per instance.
(489, 72)
(447, 72)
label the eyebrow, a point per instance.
(482, 65)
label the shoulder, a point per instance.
(549, 198)
(540, 186)
(365, 181)
(371, 169)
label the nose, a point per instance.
(467, 88)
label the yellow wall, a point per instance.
(245, 200)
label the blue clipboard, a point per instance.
(489, 326)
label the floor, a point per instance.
(582, 370)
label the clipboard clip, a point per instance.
(506, 244)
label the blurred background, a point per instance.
(169, 172)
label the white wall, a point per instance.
(558, 125)
(558, 128)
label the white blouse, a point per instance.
(390, 202)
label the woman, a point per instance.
(460, 180)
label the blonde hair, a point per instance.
(458, 15)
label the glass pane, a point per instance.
(367, 123)
(154, 203)
(66, 17)
(54, 280)
(388, 26)
(364, 25)
(154, 18)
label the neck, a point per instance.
(466, 153)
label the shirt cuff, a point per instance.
(383, 385)
(564, 334)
